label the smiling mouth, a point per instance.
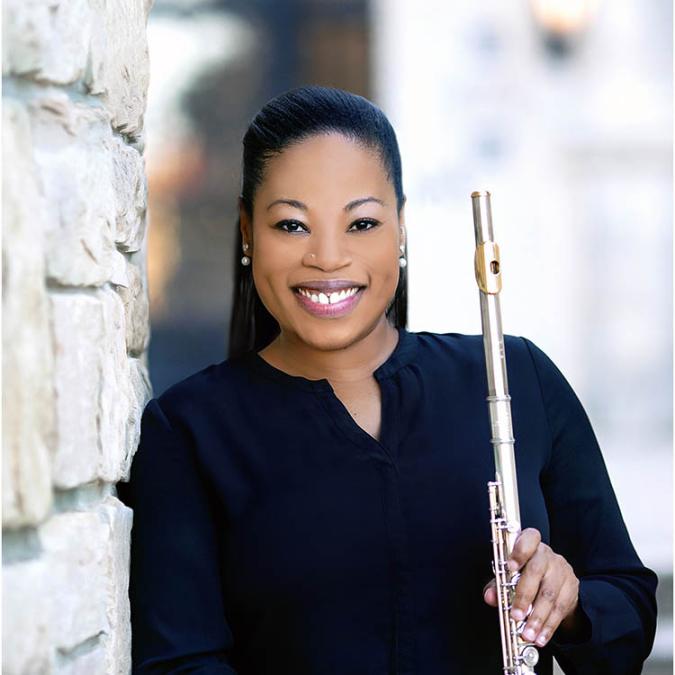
(333, 298)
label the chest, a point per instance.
(319, 517)
(363, 402)
(310, 500)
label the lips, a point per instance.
(328, 285)
(327, 298)
(329, 302)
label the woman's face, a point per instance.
(325, 213)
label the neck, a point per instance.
(352, 363)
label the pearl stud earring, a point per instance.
(246, 260)
(402, 261)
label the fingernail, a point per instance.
(518, 614)
(529, 634)
(541, 640)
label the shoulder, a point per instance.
(468, 348)
(463, 355)
(201, 392)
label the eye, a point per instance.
(289, 226)
(364, 221)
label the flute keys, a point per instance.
(530, 656)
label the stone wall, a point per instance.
(75, 327)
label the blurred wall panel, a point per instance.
(564, 112)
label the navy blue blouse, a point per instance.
(273, 535)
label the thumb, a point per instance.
(490, 593)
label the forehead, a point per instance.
(326, 163)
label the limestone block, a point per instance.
(131, 195)
(68, 611)
(141, 393)
(79, 331)
(137, 310)
(119, 64)
(93, 386)
(119, 276)
(82, 662)
(47, 40)
(115, 393)
(119, 519)
(77, 548)
(27, 627)
(73, 152)
(28, 401)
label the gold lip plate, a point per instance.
(488, 281)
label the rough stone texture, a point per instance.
(75, 328)
(27, 625)
(114, 396)
(46, 39)
(119, 65)
(136, 308)
(76, 547)
(132, 196)
(78, 334)
(73, 150)
(68, 611)
(86, 663)
(94, 386)
(100, 42)
(119, 519)
(140, 394)
(27, 362)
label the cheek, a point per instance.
(274, 253)
(271, 263)
(270, 284)
(385, 268)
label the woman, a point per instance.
(317, 503)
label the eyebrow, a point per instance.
(303, 207)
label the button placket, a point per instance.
(383, 452)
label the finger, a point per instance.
(490, 593)
(561, 608)
(530, 580)
(547, 598)
(524, 548)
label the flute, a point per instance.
(518, 655)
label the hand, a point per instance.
(547, 582)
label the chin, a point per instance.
(329, 335)
(332, 334)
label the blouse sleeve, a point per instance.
(178, 620)
(616, 591)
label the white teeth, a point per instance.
(332, 298)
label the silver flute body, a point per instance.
(518, 655)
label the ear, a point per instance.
(245, 226)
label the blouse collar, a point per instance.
(402, 354)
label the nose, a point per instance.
(327, 252)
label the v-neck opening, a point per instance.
(353, 431)
(400, 356)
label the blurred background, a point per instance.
(562, 109)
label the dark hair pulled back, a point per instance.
(287, 119)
